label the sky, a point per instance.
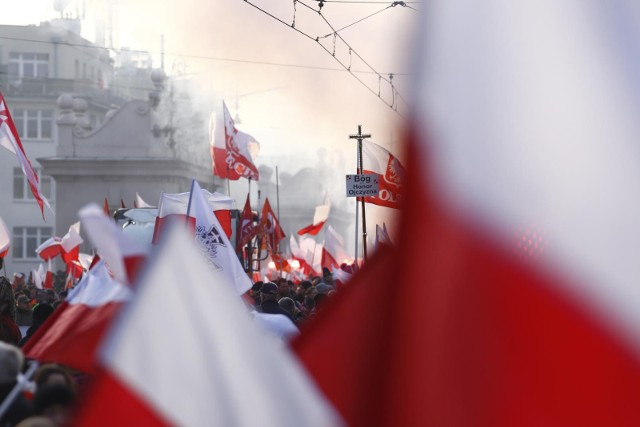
(290, 94)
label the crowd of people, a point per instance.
(45, 395)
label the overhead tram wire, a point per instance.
(351, 50)
(356, 22)
(395, 94)
(191, 56)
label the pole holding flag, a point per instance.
(359, 136)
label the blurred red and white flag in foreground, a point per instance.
(124, 256)
(72, 334)
(525, 116)
(186, 331)
(10, 139)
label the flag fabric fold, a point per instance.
(10, 139)
(144, 373)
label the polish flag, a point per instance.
(50, 248)
(70, 244)
(270, 227)
(320, 216)
(72, 334)
(123, 256)
(214, 243)
(248, 229)
(10, 140)
(173, 208)
(300, 255)
(391, 174)
(525, 119)
(233, 152)
(333, 253)
(5, 239)
(233, 366)
(47, 281)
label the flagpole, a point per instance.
(278, 210)
(193, 183)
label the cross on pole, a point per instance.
(360, 137)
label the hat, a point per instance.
(269, 288)
(324, 288)
(23, 298)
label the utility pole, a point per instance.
(359, 136)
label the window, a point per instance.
(27, 239)
(23, 64)
(21, 189)
(34, 124)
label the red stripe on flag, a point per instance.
(111, 403)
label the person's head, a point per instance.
(51, 373)
(319, 300)
(269, 292)
(11, 360)
(283, 288)
(41, 312)
(287, 305)
(54, 401)
(23, 303)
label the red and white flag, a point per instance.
(378, 160)
(10, 139)
(526, 119)
(270, 227)
(50, 248)
(233, 152)
(123, 256)
(214, 243)
(47, 280)
(173, 208)
(320, 217)
(248, 228)
(72, 335)
(70, 244)
(5, 239)
(232, 369)
(333, 252)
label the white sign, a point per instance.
(365, 185)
